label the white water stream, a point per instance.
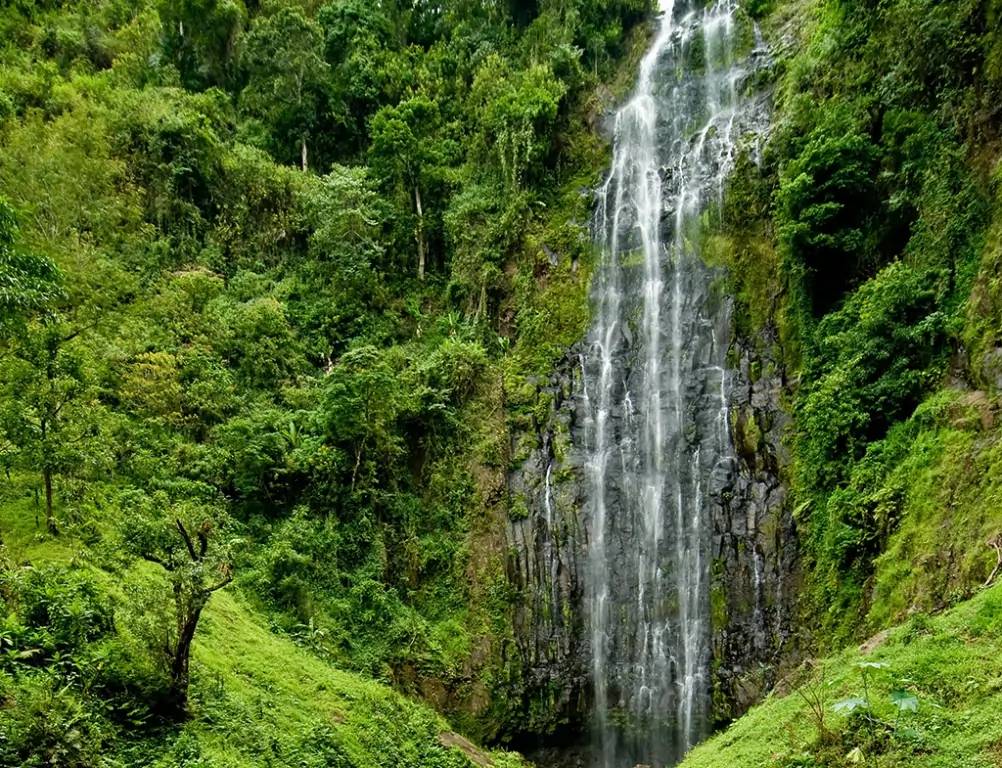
(657, 448)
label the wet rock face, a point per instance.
(546, 546)
(754, 571)
(991, 368)
(755, 556)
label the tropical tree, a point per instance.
(516, 112)
(360, 47)
(200, 37)
(408, 154)
(186, 540)
(347, 217)
(50, 406)
(27, 281)
(287, 78)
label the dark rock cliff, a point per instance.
(547, 542)
(755, 566)
(755, 561)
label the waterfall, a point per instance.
(655, 383)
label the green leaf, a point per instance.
(871, 665)
(850, 705)
(904, 701)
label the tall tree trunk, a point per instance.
(419, 232)
(302, 153)
(180, 661)
(50, 518)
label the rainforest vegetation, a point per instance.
(266, 267)
(864, 254)
(279, 284)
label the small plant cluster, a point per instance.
(862, 731)
(68, 681)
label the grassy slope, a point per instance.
(949, 482)
(952, 663)
(257, 697)
(268, 688)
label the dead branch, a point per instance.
(187, 540)
(995, 542)
(154, 559)
(226, 580)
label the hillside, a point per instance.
(261, 293)
(925, 693)
(258, 698)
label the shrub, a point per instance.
(827, 202)
(47, 724)
(60, 608)
(869, 366)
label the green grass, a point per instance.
(953, 665)
(950, 480)
(261, 699)
(22, 527)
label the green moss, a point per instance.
(950, 663)
(718, 605)
(983, 322)
(950, 487)
(518, 509)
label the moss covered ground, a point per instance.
(925, 694)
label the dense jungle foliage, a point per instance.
(279, 280)
(886, 202)
(275, 276)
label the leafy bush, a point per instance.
(869, 366)
(828, 204)
(57, 610)
(44, 723)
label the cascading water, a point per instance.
(658, 453)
